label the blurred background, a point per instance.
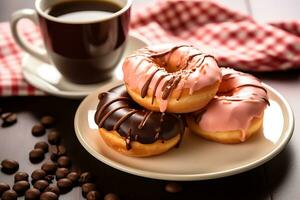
(262, 10)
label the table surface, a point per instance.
(277, 179)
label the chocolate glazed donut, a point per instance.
(117, 114)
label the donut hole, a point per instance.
(169, 66)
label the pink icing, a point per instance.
(241, 97)
(197, 73)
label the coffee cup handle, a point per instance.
(35, 51)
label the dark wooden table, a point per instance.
(277, 179)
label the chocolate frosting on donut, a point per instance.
(117, 111)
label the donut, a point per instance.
(132, 130)
(171, 78)
(235, 113)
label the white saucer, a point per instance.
(196, 158)
(47, 78)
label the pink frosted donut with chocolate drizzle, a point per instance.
(235, 113)
(171, 78)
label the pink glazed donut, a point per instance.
(171, 78)
(235, 113)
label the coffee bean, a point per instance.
(54, 137)
(48, 196)
(41, 185)
(38, 174)
(42, 145)
(74, 177)
(64, 185)
(9, 195)
(54, 157)
(38, 130)
(48, 121)
(49, 167)
(93, 195)
(58, 151)
(20, 187)
(32, 194)
(21, 176)
(87, 187)
(3, 188)
(9, 166)
(173, 187)
(61, 173)
(8, 118)
(86, 177)
(111, 196)
(53, 188)
(49, 178)
(36, 155)
(64, 161)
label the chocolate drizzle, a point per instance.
(156, 86)
(116, 111)
(172, 49)
(147, 83)
(146, 116)
(122, 119)
(247, 81)
(173, 82)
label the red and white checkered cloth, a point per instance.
(234, 38)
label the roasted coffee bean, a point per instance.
(3, 188)
(61, 173)
(48, 121)
(64, 185)
(53, 188)
(21, 176)
(38, 130)
(42, 145)
(64, 161)
(48, 196)
(41, 185)
(74, 177)
(9, 166)
(8, 119)
(20, 187)
(173, 187)
(54, 137)
(93, 195)
(111, 196)
(49, 167)
(38, 174)
(54, 157)
(49, 178)
(9, 195)
(87, 187)
(86, 177)
(36, 155)
(57, 151)
(32, 194)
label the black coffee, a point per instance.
(85, 10)
(87, 38)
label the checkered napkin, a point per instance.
(234, 38)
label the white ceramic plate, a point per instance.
(196, 158)
(47, 78)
